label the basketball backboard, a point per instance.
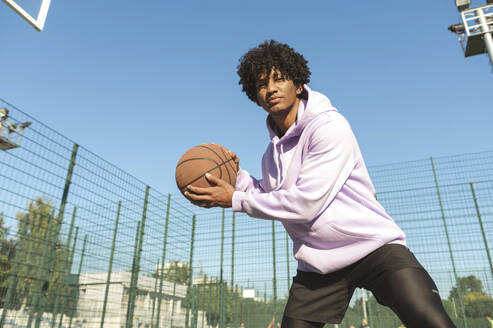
(40, 6)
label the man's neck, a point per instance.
(284, 120)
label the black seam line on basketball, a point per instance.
(213, 151)
(223, 161)
(225, 156)
(197, 158)
(200, 177)
(227, 171)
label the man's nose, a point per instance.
(271, 86)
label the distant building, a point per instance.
(90, 303)
(92, 288)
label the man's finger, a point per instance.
(214, 180)
(199, 190)
(197, 197)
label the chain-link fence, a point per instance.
(84, 244)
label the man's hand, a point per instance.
(219, 194)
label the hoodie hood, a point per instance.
(315, 104)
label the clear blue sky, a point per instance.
(139, 82)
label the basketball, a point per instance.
(205, 158)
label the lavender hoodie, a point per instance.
(314, 181)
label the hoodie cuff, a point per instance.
(238, 197)
(242, 180)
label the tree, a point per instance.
(6, 253)
(476, 302)
(177, 271)
(469, 284)
(32, 238)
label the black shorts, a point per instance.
(325, 297)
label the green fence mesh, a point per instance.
(85, 244)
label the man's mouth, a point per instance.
(273, 100)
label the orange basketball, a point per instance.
(205, 158)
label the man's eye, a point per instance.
(280, 79)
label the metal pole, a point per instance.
(195, 311)
(137, 262)
(64, 269)
(52, 250)
(221, 287)
(72, 253)
(163, 257)
(482, 228)
(487, 36)
(79, 270)
(190, 273)
(154, 296)
(129, 315)
(448, 242)
(453, 301)
(488, 285)
(39, 276)
(110, 265)
(13, 272)
(274, 282)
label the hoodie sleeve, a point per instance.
(327, 163)
(246, 183)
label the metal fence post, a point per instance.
(476, 205)
(64, 272)
(79, 271)
(71, 261)
(34, 308)
(221, 287)
(448, 242)
(52, 250)
(129, 315)
(154, 296)
(135, 276)
(190, 273)
(110, 264)
(161, 276)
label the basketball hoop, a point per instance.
(38, 22)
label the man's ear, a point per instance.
(301, 92)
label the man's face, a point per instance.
(277, 94)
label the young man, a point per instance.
(314, 181)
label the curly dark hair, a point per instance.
(268, 55)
